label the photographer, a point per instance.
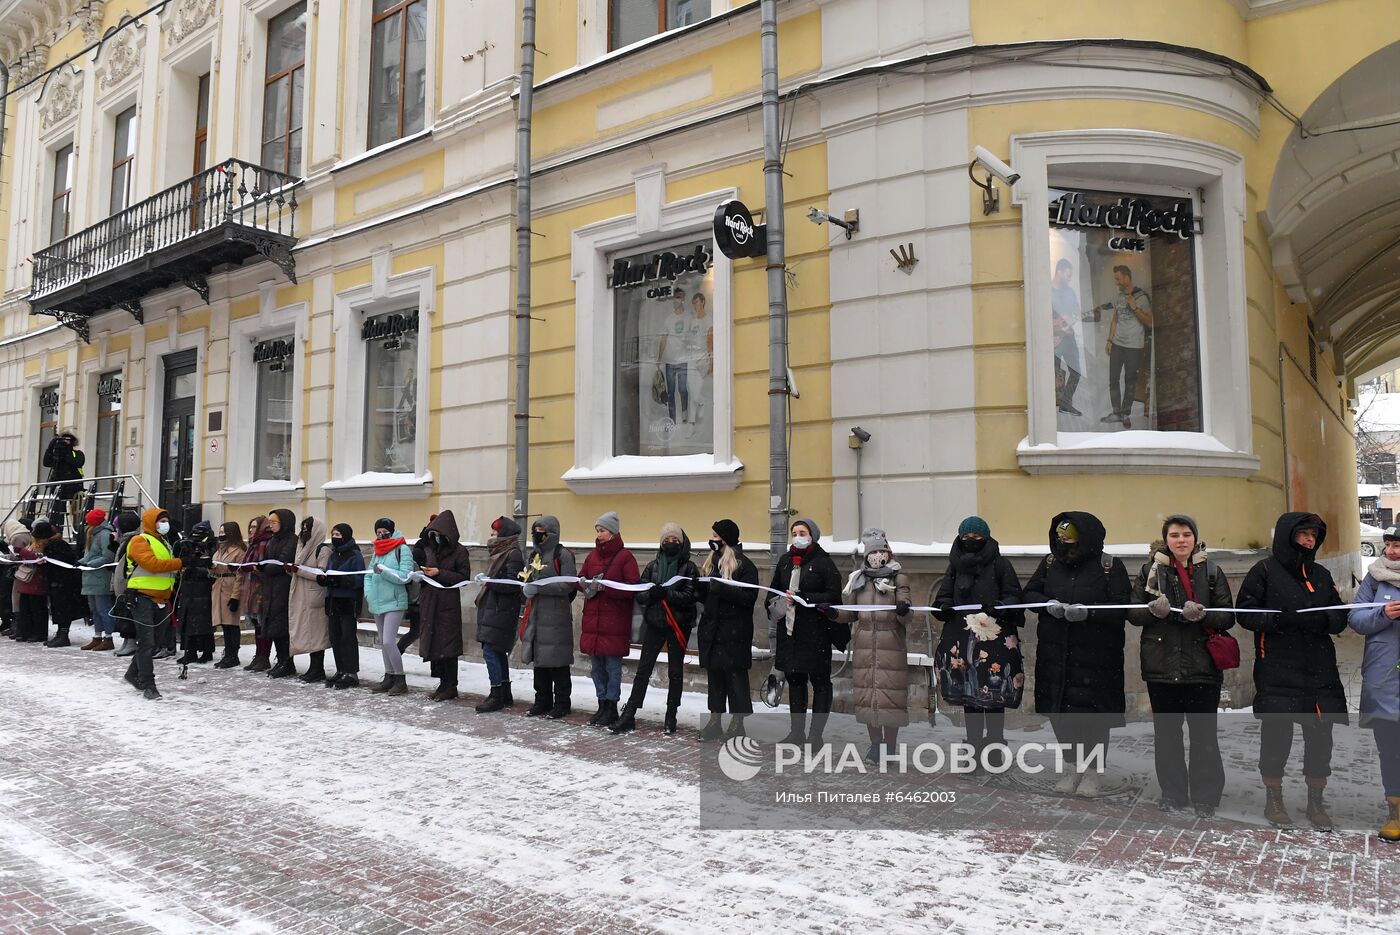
(194, 598)
(65, 462)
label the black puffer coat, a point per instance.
(1174, 649)
(680, 598)
(1079, 666)
(975, 672)
(1295, 659)
(194, 593)
(440, 610)
(66, 601)
(726, 626)
(808, 648)
(276, 583)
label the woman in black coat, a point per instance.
(446, 561)
(66, 602)
(194, 595)
(1079, 650)
(979, 663)
(668, 614)
(498, 610)
(1295, 661)
(726, 629)
(804, 635)
(277, 589)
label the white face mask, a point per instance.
(163, 527)
(877, 559)
(801, 542)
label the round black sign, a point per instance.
(736, 234)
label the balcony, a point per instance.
(221, 217)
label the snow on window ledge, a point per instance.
(373, 485)
(640, 474)
(262, 491)
(1140, 452)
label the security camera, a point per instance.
(992, 164)
(850, 223)
(861, 433)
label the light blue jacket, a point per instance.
(97, 555)
(1380, 666)
(383, 592)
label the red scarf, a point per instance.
(1185, 577)
(383, 547)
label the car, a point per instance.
(1371, 540)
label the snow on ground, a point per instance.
(552, 810)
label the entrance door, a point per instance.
(177, 434)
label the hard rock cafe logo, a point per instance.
(390, 327)
(635, 271)
(1128, 213)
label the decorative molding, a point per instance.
(119, 57)
(184, 17)
(60, 98)
(89, 19)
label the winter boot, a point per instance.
(91, 644)
(506, 700)
(383, 684)
(798, 734)
(670, 723)
(400, 686)
(104, 645)
(284, 669)
(128, 647)
(1068, 782)
(814, 736)
(443, 692)
(736, 727)
(188, 657)
(1088, 787)
(1274, 812)
(610, 715)
(259, 664)
(59, 639)
(317, 673)
(492, 703)
(331, 679)
(207, 655)
(131, 679)
(597, 717)
(544, 703)
(347, 680)
(712, 731)
(1390, 831)
(1317, 811)
(150, 694)
(560, 710)
(165, 652)
(627, 722)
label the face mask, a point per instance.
(877, 559)
(974, 545)
(337, 540)
(801, 542)
(381, 534)
(222, 537)
(671, 548)
(163, 527)
(538, 537)
(716, 545)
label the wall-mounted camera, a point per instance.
(995, 168)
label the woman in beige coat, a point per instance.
(879, 649)
(306, 613)
(228, 591)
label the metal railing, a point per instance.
(233, 192)
(112, 493)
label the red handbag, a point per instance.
(1224, 649)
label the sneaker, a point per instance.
(1068, 783)
(1088, 787)
(128, 647)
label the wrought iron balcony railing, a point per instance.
(223, 215)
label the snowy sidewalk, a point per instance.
(243, 804)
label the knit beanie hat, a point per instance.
(95, 517)
(384, 522)
(672, 529)
(804, 521)
(128, 522)
(1067, 531)
(43, 529)
(1180, 519)
(728, 531)
(874, 541)
(610, 522)
(974, 524)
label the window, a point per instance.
(1124, 312)
(62, 193)
(663, 334)
(48, 424)
(109, 414)
(201, 125)
(391, 392)
(398, 69)
(1378, 468)
(283, 91)
(272, 441)
(631, 21)
(123, 155)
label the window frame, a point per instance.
(66, 194)
(400, 9)
(126, 162)
(113, 416)
(290, 74)
(662, 8)
(41, 423)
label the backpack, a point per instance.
(415, 587)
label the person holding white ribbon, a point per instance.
(386, 594)
(547, 625)
(725, 634)
(803, 637)
(1380, 669)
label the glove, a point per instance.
(479, 577)
(1076, 613)
(1161, 608)
(233, 605)
(989, 609)
(591, 589)
(656, 595)
(1193, 612)
(827, 611)
(1055, 609)
(901, 608)
(323, 580)
(531, 590)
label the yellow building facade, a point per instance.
(1216, 163)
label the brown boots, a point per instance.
(1274, 812)
(1317, 811)
(1390, 831)
(98, 644)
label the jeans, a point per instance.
(607, 677)
(653, 638)
(1203, 781)
(497, 665)
(677, 385)
(388, 626)
(1388, 746)
(731, 688)
(101, 605)
(1276, 742)
(341, 624)
(1124, 363)
(150, 619)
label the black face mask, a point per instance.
(716, 545)
(539, 537)
(671, 548)
(974, 545)
(336, 540)
(222, 538)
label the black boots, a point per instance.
(600, 715)
(712, 731)
(189, 656)
(498, 699)
(317, 673)
(560, 709)
(627, 722)
(346, 680)
(206, 647)
(607, 711)
(150, 694)
(798, 734)
(736, 727)
(259, 664)
(227, 661)
(284, 669)
(59, 639)
(445, 691)
(670, 724)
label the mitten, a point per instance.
(1193, 612)
(901, 608)
(1076, 613)
(1055, 609)
(1161, 608)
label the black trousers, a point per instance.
(232, 637)
(1276, 742)
(445, 670)
(344, 645)
(731, 689)
(1203, 780)
(553, 685)
(1123, 363)
(1084, 733)
(151, 620)
(821, 692)
(33, 616)
(653, 639)
(284, 647)
(984, 725)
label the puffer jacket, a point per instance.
(276, 580)
(1380, 664)
(1295, 656)
(1173, 649)
(607, 615)
(498, 605)
(384, 592)
(440, 611)
(807, 649)
(547, 626)
(66, 602)
(725, 635)
(983, 671)
(307, 627)
(101, 550)
(879, 653)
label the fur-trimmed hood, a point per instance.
(1161, 558)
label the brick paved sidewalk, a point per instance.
(243, 804)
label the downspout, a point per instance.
(4, 112)
(522, 269)
(1283, 431)
(778, 388)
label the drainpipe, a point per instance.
(1283, 430)
(522, 269)
(778, 388)
(4, 109)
